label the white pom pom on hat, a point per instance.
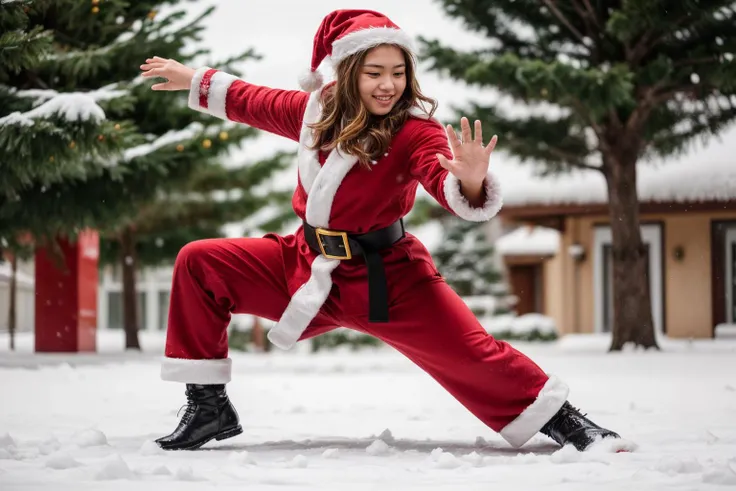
(311, 80)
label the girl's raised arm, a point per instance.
(227, 97)
(427, 141)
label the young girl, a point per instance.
(366, 142)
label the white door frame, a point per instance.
(730, 238)
(652, 236)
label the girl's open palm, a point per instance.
(178, 76)
(472, 159)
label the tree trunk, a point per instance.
(632, 306)
(13, 286)
(130, 303)
(257, 335)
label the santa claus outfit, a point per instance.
(318, 278)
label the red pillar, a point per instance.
(66, 296)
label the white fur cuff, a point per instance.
(218, 371)
(460, 205)
(215, 93)
(549, 400)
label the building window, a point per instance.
(115, 310)
(603, 275)
(731, 276)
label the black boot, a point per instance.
(569, 426)
(209, 414)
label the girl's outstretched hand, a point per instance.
(178, 76)
(472, 158)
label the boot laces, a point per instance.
(190, 406)
(188, 413)
(577, 411)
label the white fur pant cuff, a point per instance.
(549, 400)
(203, 372)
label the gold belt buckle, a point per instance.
(332, 233)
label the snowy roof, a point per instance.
(704, 174)
(529, 241)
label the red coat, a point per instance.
(335, 193)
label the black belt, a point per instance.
(343, 246)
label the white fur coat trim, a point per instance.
(307, 158)
(321, 184)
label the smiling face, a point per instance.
(372, 97)
(382, 79)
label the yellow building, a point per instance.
(559, 262)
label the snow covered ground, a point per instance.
(365, 420)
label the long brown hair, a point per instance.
(346, 121)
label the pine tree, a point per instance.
(424, 210)
(46, 135)
(630, 79)
(213, 196)
(133, 145)
(188, 210)
(466, 261)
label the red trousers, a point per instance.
(429, 324)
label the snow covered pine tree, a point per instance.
(466, 260)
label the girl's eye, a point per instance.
(373, 74)
(399, 74)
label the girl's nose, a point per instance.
(386, 83)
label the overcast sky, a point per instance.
(283, 31)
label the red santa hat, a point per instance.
(346, 32)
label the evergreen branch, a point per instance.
(560, 142)
(561, 17)
(217, 177)
(20, 50)
(665, 93)
(669, 143)
(697, 61)
(164, 215)
(571, 159)
(666, 34)
(534, 80)
(592, 13)
(423, 211)
(701, 34)
(590, 28)
(584, 113)
(57, 148)
(501, 25)
(280, 215)
(157, 248)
